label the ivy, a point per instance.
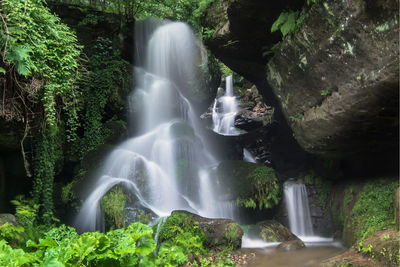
(35, 43)
(106, 72)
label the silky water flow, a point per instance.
(167, 166)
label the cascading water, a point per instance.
(247, 156)
(224, 111)
(296, 200)
(166, 167)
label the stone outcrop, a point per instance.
(335, 81)
(337, 78)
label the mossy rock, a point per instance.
(214, 233)
(380, 249)
(249, 184)
(362, 208)
(270, 231)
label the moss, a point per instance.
(179, 223)
(233, 231)
(113, 205)
(362, 209)
(324, 187)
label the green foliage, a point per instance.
(290, 22)
(373, 210)
(36, 43)
(267, 189)
(298, 117)
(107, 71)
(48, 151)
(324, 92)
(113, 205)
(286, 23)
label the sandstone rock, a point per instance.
(337, 79)
(271, 231)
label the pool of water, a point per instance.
(312, 255)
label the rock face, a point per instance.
(241, 33)
(337, 78)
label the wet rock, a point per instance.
(271, 231)
(291, 245)
(337, 79)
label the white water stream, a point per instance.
(166, 167)
(224, 111)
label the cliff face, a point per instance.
(335, 80)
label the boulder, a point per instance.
(271, 231)
(337, 78)
(8, 218)
(214, 232)
(291, 245)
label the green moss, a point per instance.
(374, 209)
(234, 230)
(113, 205)
(179, 223)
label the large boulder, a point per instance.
(271, 231)
(214, 232)
(337, 78)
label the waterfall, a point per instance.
(247, 156)
(224, 111)
(167, 166)
(296, 200)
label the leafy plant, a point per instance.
(266, 187)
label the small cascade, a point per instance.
(247, 156)
(224, 111)
(296, 200)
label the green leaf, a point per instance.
(2, 70)
(281, 20)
